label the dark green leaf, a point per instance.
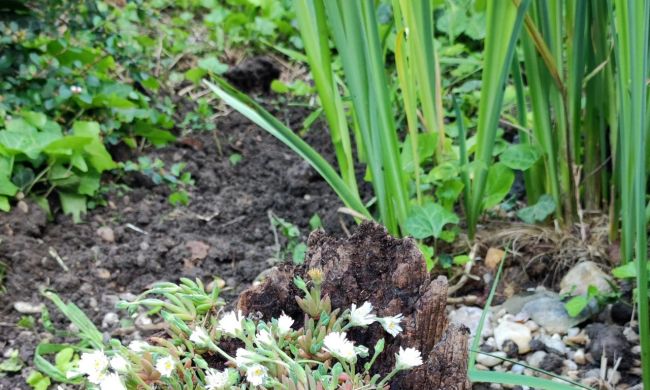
(520, 156)
(544, 207)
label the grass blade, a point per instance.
(266, 121)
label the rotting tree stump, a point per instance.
(391, 274)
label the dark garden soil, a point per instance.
(139, 238)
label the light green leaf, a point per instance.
(73, 204)
(212, 64)
(576, 304)
(4, 203)
(626, 271)
(38, 381)
(86, 129)
(428, 220)
(7, 187)
(12, 364)
(195, 75)
(520, 156)
(36, 119)
(544, 207)
(499, 181)
(89, 184)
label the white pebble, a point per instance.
(579, 357)
(490, 361)
(636, 350)
(631, 335)
(516, 332)
(532, 325)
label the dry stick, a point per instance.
(581, 222)
(344, 227)
(466, 272)
(58, 258)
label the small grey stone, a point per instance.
(106, 234)
(535, 359)
(110, 319)
(127, 296)
(570, 365)
(517, 369)
(553, 344)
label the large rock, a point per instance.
(547, 310)
(583, 275)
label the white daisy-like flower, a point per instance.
(244, 357)
(119, 364)
(407, 358)
(138, 346)
(264, 337)
(362, 316)
(76, 89)
(231, 323)
(94, 365)
(284, 324)
(200, 337)
(112, 382)
(391, 324)
(165, 366)
(338, 345)
(256, 374)
(216, 380)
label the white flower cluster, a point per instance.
(94, 365)
(105, 372)
(363, 316)
(266, 344)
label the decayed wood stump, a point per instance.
(391, 274)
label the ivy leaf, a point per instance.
(73, 204)
(499, 181)
(4, 203)
(520, 156)
(544, 207)
(428, 220)
(7, 187)
(212, 64)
